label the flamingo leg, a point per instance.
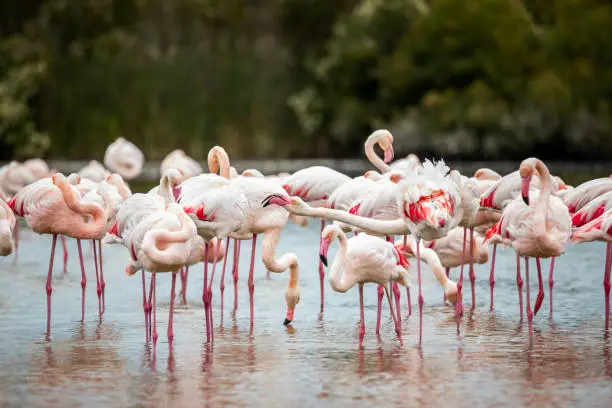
(361, 315)
(396, 291)
(237, 244)
(251, 282)
(48, 287)
(447, 275)
(459, 305)
(519, 284)
(540, 298)
(83, 280)
(150, 306)
(171, 318)
(145, 306)
(551, 283)
(398, 327)
(209, 294)
(102, 282)
(222, 283)
(322, 272)
(183, 288)
(418, 254)
(408, 289)
(65, 249)
(472, 274)
(381, 293)
(607, 285)
(98, 287)
(492, 275)
(204, 297)
(153, 285)
(527, 294)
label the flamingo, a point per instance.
(538, 227)
(586, 192)
(160, 238)
(599, 229)
(592, 210)
(56, 208)
(38, 167)
(408, 164)
(178, 160)
(94, 171)
(125, 158)
(316, 184)
(362, 259)
(7, 226)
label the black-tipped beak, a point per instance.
(526, 199)
(286, 322)
(323, 259)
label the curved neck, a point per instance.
(431, 258)
(157, 243)
(81, 207)
(373, 157)
(395, 227)
(268, 249)
(346, 281)
(218, 161)
(545, 186)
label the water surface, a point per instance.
(314, 362)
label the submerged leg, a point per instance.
(171, 318)
(448, 276)
(398, 327)
(251, 282)
(222, 283)
(381, 293)
(361, 317)
(48, 287)
(459, 305)
(102, 282)
(551, 283)
(83, 280)
(204, 295)
(492, 275)
(153, 283)
(519, 284)
(65, 249)
(235, 271)
(418, 255)
(527, 294)
(145, 306)
(607, 284)
(322, 272)
(209, 294)
(98, 286)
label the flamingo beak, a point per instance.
(389, 154)
(176, 192)
(525, 181)
(324, 248)
(289, 317)
(276, 199)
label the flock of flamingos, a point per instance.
(439, 216)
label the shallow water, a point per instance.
(316, 361)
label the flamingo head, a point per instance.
(328, 235)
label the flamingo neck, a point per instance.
(74, 203)
(373, 157)
(346, 281)
(218, 161)
(394, 227)
(545, 187)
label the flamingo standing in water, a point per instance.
(536, 224)
(362, 259)
(599, 229)
(315, 185)
(56, 208)
(125, 158)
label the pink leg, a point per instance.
(519, 284)
(48, 286)
(150, 306)
(418, 255)
(396, 295)
(99, 288)
(447, 275)
(398, 327)
(237, 243)
(83, 280)
(381, 293)
(251, 283)
(145, 306)
(102, 282)
(65, 249)
(222, 283)
(322, 272)
(409, 302)
(607, 285)
(183, 287)
(472, 274)
(212, 278)
(153, 279)
(171, 318)
(540, 298)
(362, 319)
(527, 294)
(492, 274)
(551, 283)
(204, 297)
(459, 305)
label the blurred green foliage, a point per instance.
(299, 78)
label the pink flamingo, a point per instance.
(537, 225)
(38, 167)
(94, 171)
(125, 158)
(592, 210)
(7, 226)
(56, 208)
(178, 160)
(587, 192)
(599, 229)
(362, 259)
